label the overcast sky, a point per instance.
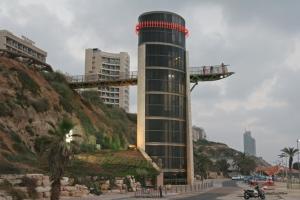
(259, 39)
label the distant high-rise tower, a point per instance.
(109, 66)
(249, 144)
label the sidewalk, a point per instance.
(130, 195)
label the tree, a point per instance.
(222, 166)
(296, 165)
(202, 163)
(59, 155)
(244, 163)
(290, 152)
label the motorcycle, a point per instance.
(256, 193)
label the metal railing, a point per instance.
(101, 77)
(201, 71)
(168, 189)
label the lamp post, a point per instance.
(298, 140)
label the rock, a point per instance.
(64, 181)
(64, 193)
(104, 187)
(46, 181)
(46, 194)
(14, 181)
(43, 189)
(69, 188)
(23, 189)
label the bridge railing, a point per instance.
(119, 76)
(209, 70)
(102, 77)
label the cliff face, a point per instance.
(32, 103)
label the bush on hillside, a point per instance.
(28, 83)
(40, 105)
(5, 110)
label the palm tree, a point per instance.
(59, 155)
(290, 152)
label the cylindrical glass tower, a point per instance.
(163, 95)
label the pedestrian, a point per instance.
(160, 191)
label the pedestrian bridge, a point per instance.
(109, 78)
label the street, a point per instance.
(228, 187)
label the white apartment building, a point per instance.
(23, 45)
(198, 133)
(109, 66)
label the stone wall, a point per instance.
(43, 186)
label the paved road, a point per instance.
(227, 188)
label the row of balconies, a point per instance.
(24, 49)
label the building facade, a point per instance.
(249, 144)
(23, 45)
(198, 133)
(163, 122)
(108, 66)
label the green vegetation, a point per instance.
(245, 164)
(222, 166)
(8, 168)
(60, 85)
(290, 152)
(5, 109)
(111, 164)
(27, 82)
(202, 164)
(29, 130)
(59, 156)
(40, 105)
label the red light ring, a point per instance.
(161, 24)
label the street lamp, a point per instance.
(298, 140)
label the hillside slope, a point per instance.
(32, 103)
(216, 151)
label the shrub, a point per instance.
(87, 148)
(86, 122)
(5, 110)
(41, 144)
(28, 83)
(41, 105)
(29, 130)
(7, 168)
(65, 104)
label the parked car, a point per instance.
(237, 178)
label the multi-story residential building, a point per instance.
(109, 66)
(249, 144)
(23, 45)
(198, 133)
